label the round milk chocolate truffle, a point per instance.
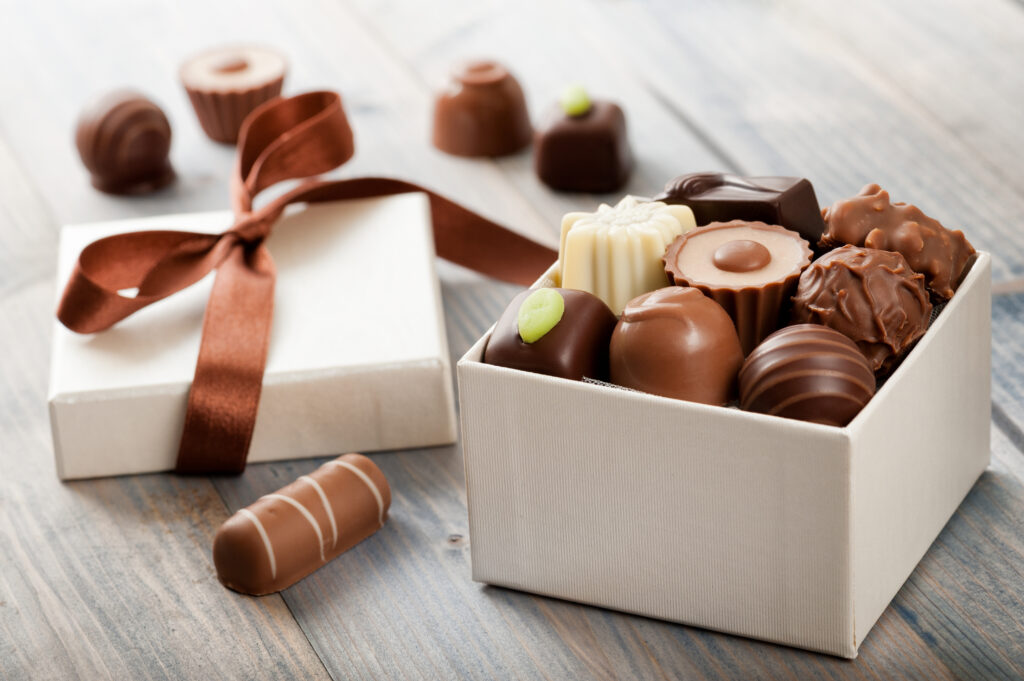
(872, 297)
(807, 372)
(676, 342)
(482, 113)
(749, 268)
(124, 140)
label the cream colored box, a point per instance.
(780, 530)
(358, 359)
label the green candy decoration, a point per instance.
(575, 101)
(539, 313)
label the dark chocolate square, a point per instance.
(587, 153)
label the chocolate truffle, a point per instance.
(720, 197)
(870, 219)
(870, 296)
(285, 536)
(749, 268)
(225, 84)
(675, 342)
(554, 331)
(482, 113)
(124, 139)
(581, 146)
(616, 252)
(807, 372)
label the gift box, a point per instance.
(357, 359)
(776, 529)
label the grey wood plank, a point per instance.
(105, 579)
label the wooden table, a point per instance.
(113, 578)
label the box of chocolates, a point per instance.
(727, 408)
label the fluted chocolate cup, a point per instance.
(749, 268)
(482, 112)
(226, 84)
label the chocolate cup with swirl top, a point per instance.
(870, 219)
(749, 268)
(807, 372)
(482, 113)
(677, 343)
(124, 140)
(872, 297)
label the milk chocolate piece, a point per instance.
(870, 219)
(721, 197)
(870, 296)
(124, 140)
(749, 268)
(226, 83)
(676, 342)
(616, 252)
(482, 113)
(287, 535)
(575, 347)
(807, 372)
(583, 151)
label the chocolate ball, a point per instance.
(675, 342)
(482, 113)
(124, 139)
(807, 372)
(554, 331)
(872, 297)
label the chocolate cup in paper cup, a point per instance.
(226, 84)
(749, 268)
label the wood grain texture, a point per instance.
(113, 578)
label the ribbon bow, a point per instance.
(284, 139)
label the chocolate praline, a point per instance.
(676, 342)
(872, 297)
(575, 347)
(124, 140)
(807, 372)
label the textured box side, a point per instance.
(711, 517)
(919, 447)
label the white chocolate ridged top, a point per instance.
(233, 68)
(696, 262)
(615, 253)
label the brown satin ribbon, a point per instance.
(283, 139)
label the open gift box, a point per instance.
(781, 530)
(357, 358)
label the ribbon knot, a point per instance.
(284, 139)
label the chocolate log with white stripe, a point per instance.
(285, 536)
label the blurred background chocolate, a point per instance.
(870, 219)
(124, 140)
(872, 297)
(226, 83)
(575, 346)
(807, 372)
(482, 112)
(749, 268)
(721, 197)
(675, 342)
(581, 145)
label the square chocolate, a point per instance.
(587, 152)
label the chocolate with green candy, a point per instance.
(554, 331)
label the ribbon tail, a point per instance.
(225, 394)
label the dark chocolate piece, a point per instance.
(870, 219)
(870, 296)
(807, 372)
(124, 140)
(749, 268)
(581, 146)
(285, 536)
(720, 197)
(676, 342)
(575, 347)
(482, 113)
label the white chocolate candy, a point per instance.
(616, 252)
